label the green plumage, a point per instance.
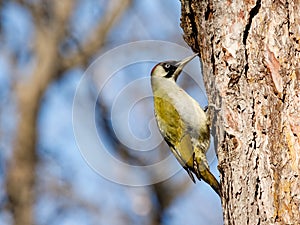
(182, 122)
(173, 130)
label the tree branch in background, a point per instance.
(50, 26)
(68, 200)
(21, 172)
(98, 37)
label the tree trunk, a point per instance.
(21, 171)
(51, 22)
(250, 55)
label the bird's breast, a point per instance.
(189, 111)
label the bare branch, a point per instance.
(51, 21)
(98, 37)
(35, 9)
(61, 16)
(20, 178)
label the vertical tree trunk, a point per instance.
(250, 52)
(51, 22)
(21, 171)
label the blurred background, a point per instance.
(46, 47)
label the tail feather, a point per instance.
(201, 169)
(209, 178)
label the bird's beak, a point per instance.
(180, 64)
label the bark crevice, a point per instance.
(213, 60)
(253, 12)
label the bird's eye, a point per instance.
(167, 66)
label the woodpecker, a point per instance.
(182, 122)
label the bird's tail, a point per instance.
(209, 178)
(201, 169)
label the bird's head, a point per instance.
(170, 69)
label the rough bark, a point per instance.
(250, 54)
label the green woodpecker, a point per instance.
(181, 121)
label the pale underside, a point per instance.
(183, 124)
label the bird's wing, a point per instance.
(174, 132)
